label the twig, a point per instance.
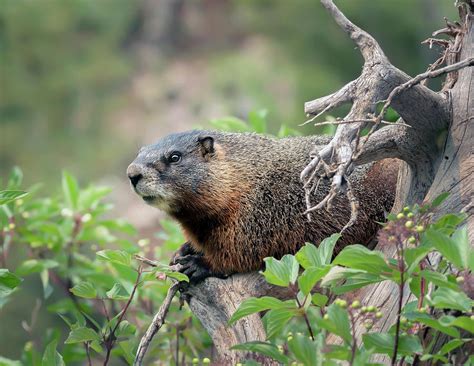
(155, 325)
(110, 340)
(426, 75)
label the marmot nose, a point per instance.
(134, 174)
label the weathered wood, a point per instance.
(215, 300)
(438, 157)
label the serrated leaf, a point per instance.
(9, 196)
(8, 282)
(254, 305)
(82, 334)
(70, 190)
(51, 356)
(281, 272)
(115, 256)
(384, 343)
(118, 292)
(85, 290)
(264, 348)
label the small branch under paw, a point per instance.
(156, 324)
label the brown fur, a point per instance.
(244, 201)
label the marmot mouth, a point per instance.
(149, 198)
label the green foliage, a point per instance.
(257, 122)
(85, 261)
(296, 329)
(92, 280)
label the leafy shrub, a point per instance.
(297, 328)
(108, 298)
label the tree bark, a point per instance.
(437, 150)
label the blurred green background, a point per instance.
(84, 83)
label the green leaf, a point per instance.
(7, 362)
(232, 124)
(70, 190)
(337, 322)
(35, 265)
(312, 256)
(304, 349)
(308, 279)
(440, 199)
(82, 334)
(85, 290)
(276, 320)
(451, 345)
(257, 119)
(119, 225)
(254, 305)
(281, 272)
(453, 251)
(118, 292)
(359, 257)
(51, 356)
(9, 196)
(463, 322)
(8, 282)
(15, 178)
(115, 256)
(384, 343)
(438, 279)
(264, 348)
(319, 299)
(433, 323)
(445, 298)
(125, 329)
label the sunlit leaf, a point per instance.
(84, 289)
(254, 305)
(82, 334)
(8, 282)
(118, 292)
(51, 356)
(281, 272)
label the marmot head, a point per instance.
(174, 172)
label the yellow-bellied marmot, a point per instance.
(239, 199)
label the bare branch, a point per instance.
(156, 324)
(319, 106)
(368, 46)
(468, 62)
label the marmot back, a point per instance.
(239, 199)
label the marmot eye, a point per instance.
(175, 157)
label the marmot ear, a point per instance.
(207, 145)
